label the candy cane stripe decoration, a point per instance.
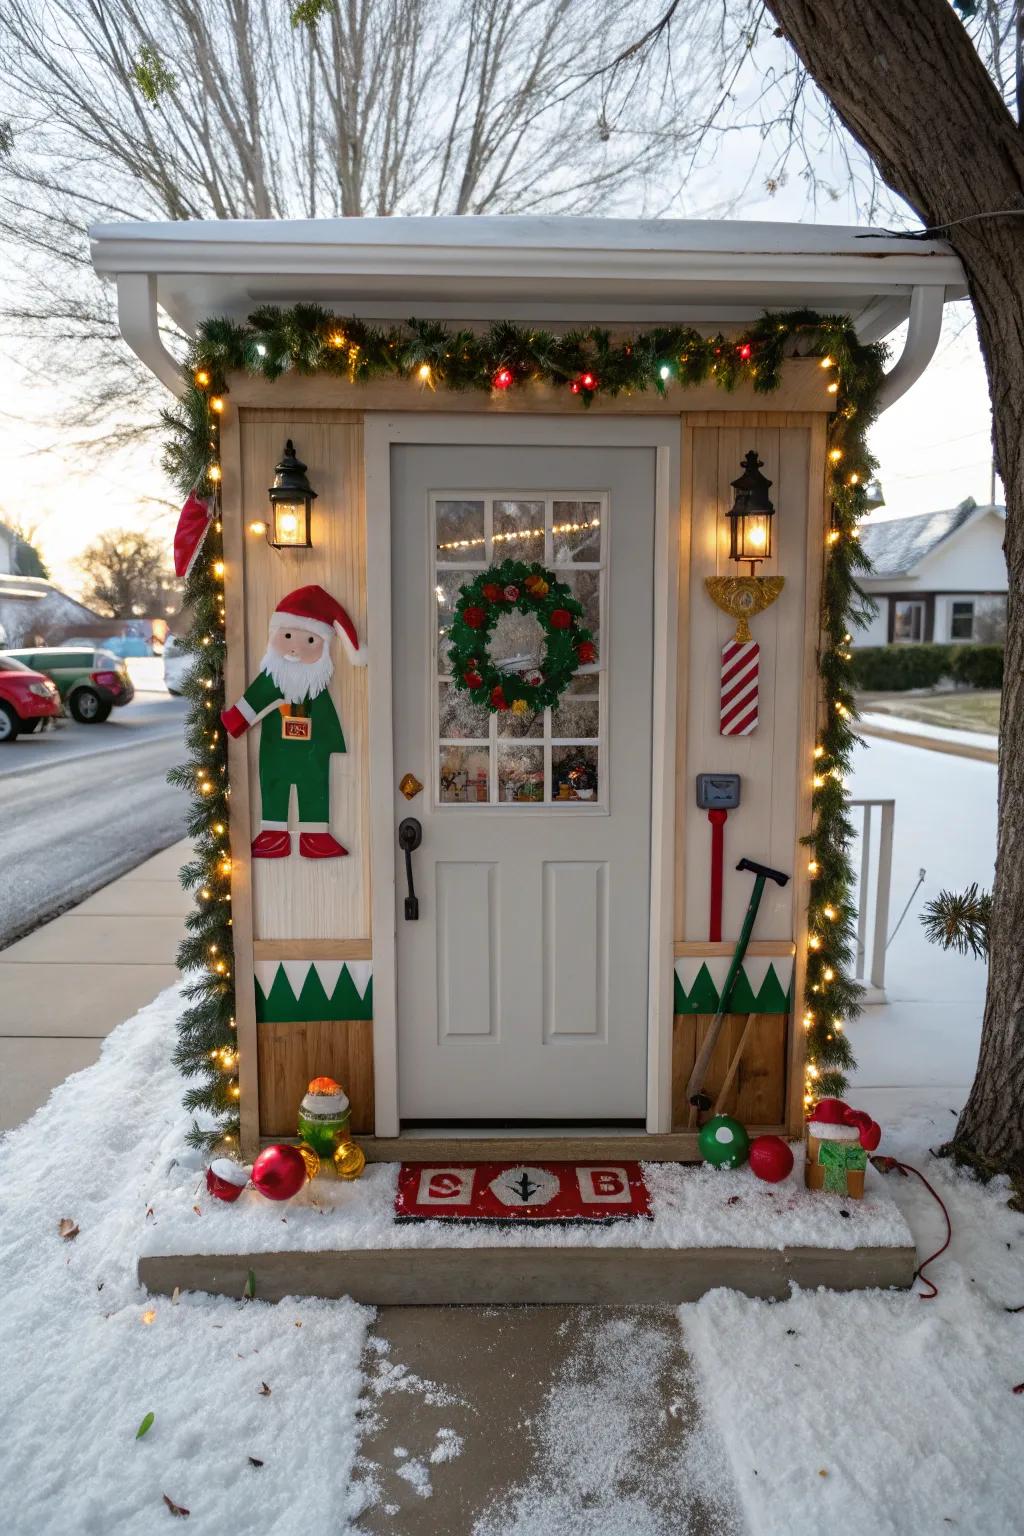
(738, 703)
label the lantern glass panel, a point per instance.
(753, 536)
(291, 524)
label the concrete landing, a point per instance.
(508, 1422)
(467, 1276)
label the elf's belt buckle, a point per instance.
(294, 728)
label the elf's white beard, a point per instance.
(298, 680)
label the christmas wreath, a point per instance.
(530, 588)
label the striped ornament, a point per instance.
(738, 704)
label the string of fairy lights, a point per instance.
(590, 364)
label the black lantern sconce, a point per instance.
(751, 514)
(291, 503)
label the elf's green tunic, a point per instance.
(286, 761)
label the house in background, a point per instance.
(937, 577)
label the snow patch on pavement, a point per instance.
(87, 1353)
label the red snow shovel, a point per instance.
(698, 1099)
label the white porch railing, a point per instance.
(874, 881)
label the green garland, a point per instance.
(530, 588)
(307, 339)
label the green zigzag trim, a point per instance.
(703, 995)
(281, 1006)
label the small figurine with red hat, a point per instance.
(838, 1141)
(301, 730)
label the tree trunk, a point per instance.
(906, 81)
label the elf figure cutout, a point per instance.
(301, 729)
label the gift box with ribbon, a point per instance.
(838, 1142)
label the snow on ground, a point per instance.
(85, 1354)
(878, 1409)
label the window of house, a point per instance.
(961, 620)
(908, 621)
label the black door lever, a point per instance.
(410, 835)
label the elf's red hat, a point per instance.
(314, 609)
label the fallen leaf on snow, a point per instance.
(145, 1426)
(67, 1229)
(174, 1296)
(1019, 1389)
(264, 1390)
(254, 1461)
(822, 1472)
(176, 1509)
(150, 1316)
(197, 1210)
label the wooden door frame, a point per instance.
(382, 432)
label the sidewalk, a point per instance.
(982, 746)
(68, 984)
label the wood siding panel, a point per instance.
(291, 1054)
(757, 1094)
(300, 898)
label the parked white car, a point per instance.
(177, 665)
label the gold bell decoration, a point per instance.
(743, 596)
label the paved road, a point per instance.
(81, 805)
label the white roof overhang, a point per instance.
(540, 270)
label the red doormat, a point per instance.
(516, 1192)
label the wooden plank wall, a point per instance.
(773, 812)
(299, 908)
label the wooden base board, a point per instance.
(671, 1147)
(520, 1276)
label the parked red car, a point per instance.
(28, 700)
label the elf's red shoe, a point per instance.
(272, 845)
(320, 845)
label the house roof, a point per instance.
(716, 271)
(897, 547)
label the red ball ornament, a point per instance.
(771, 1158)
(473, 680)
(279, 1172)
(586, 651)
(503, 379)
(493, 592)
(561, 618)
(225, 1179)
(476, 618)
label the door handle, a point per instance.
(410, 835)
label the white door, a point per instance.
(523, 984)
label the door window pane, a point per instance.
(520, 773)
(574, 773)
(458, 716)
(586, 589)
(519, 530)
(465, 775)
(576, 718)
(459, 529)
(446, 593)
(576, 532)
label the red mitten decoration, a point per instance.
(193, 523)
(234, 721)
(870, 1131)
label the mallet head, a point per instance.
(764, 871)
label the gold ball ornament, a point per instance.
(349, 1160)
(311, 1160)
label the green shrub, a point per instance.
(895, 668)
(978, 666)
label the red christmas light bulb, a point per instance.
(584, 382)
(745, 350)
(503, 379)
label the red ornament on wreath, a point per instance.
(475, 617)
(279, 1172)
(473, 680)
(561, 619)
(587, 652)
(771, 1158)
(498, 699)
(493, 592)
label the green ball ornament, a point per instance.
(723, 1142)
